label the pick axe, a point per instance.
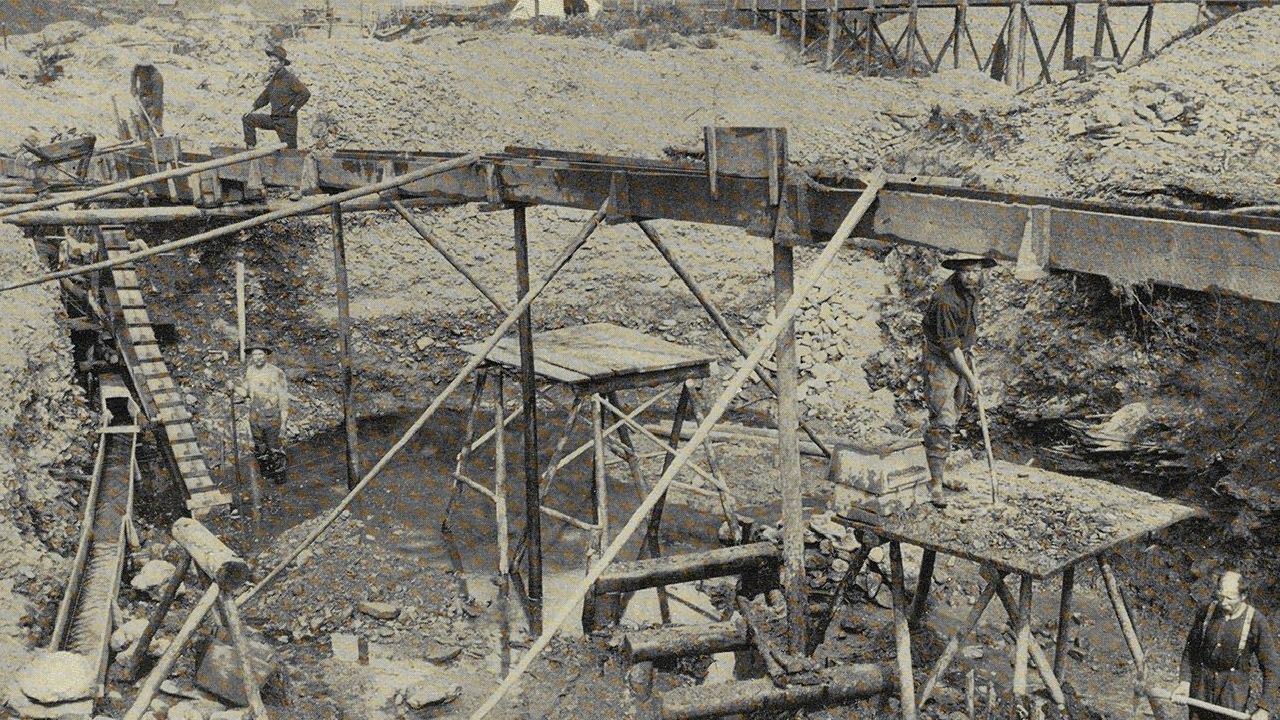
(1163, 694)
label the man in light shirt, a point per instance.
(267, 392)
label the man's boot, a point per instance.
(937, 472)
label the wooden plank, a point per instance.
(136, 317)
(674, 569)
(125, 279)
(153, 367)
(193, 468)
(186, 451)
(173, 415)
(506, 353)
(141, 335)
(178, 433)
(131, 298)
(159, 384)
(616, 350)
(148, 351)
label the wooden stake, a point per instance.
(924, 581)
(794, 580)
(1022, 649)
(831, 34)
(902, 634)
(529, 398)
(1069, 37)
(1099, 28)
(240, 298)
(345, 359)
(1064, 623)
(129, 668)
(1122, 616)
(1043, 665)
(953, 644)
(768, 336)
(161, 671)
(241, 643)
(500, 517)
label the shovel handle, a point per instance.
(986, 430)
(1192, 702)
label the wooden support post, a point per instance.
(1011, 47)
(1022, 646)
(962, 7)
(241, 321)
(129, 668)
(1147, 21)
(1025, 23)
(913, 19)
(162, 668)
(637, 476)
(1099, 28)
(953, 643)
(831, 34)
(529, 398)
(794, 580)
(500, 517)
(924, 581)
(902, 634)
(804, 25)
(1123, 617)
(836, 685)
(685, 640)
(1069, 37)
(241, 643)
(871, 33)
(595, 613)
(1064, 623)
(1043, 665)
(349, 418)
(446, 521)
(652, 545)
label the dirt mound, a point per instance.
(1193, 125)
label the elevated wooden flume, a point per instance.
(744, 181)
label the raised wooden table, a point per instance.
(1043, 524)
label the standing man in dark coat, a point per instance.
(1224, 640)
(286, 94)
(147, 85)
(950, 324)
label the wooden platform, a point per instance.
(601, 357)
(1043, 522)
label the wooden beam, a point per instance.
(685, 640)
(345, 359)
(210, 554)
(673, 569)
(529, 400)
(1064, 623)
(838, 685)
(902, 634)
(795, 581)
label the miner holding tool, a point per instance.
(267, 392)
(286, 94)
(1216, 662)
(950, 324)
(147, 86)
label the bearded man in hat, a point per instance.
(950, 325)
(286, 94)
(1225, 638)
(267, 391)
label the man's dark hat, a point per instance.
(278, 52)
(955, 261)
(248, 349)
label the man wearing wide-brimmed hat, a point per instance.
(286, 94)
(267, 392)
(950, 324)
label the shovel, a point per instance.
(986, 430)
(1192, 702)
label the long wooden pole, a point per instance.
(529, 400)
(1022, 645)
(1122, 616)
(901, 633)
(345, 356)
(241, 322)
(953, 643)
(479, 358)
(500, 519)
(83, 195)
(794, 580)
(299, 208)
(768, 336)
(1064, 622)
(162, 668)
(129, 667)
(1044, 666)
(718, 318)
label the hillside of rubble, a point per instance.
(1193, 373)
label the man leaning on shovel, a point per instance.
(950, 325)
(1223, 642)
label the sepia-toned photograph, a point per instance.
(639, 359)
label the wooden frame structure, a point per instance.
(852, 32)
(596, 363)
(744, 182)
(1001, 551)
